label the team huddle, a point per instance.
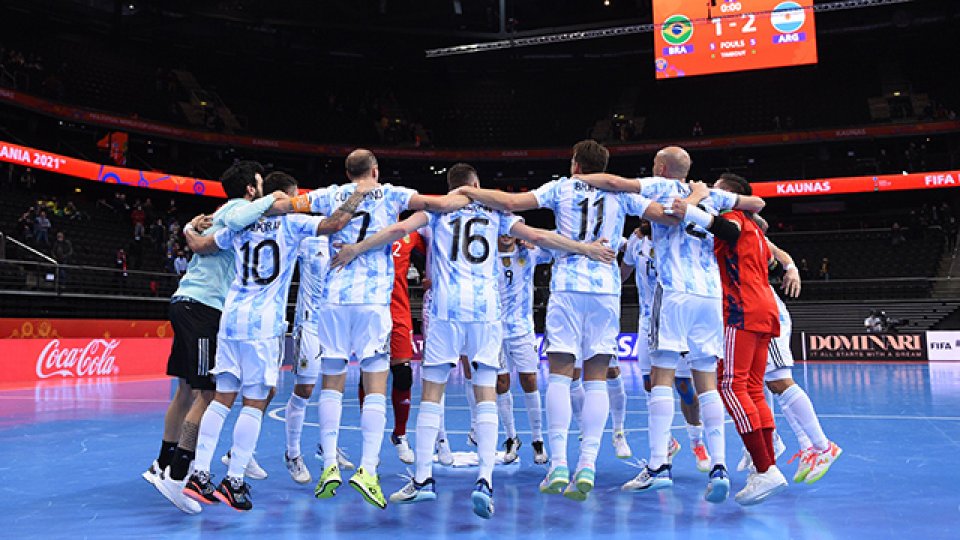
(716, 329)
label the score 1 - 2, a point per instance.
(747, 28)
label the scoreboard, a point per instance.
(700, 37)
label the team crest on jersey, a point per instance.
(522, 261)
(506, 261)
(406, 239)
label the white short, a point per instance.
(361, 330)
(519, 353)
(250, 364)
(643, 345)
(581, 324)
(478, 341)
(686, 323)
(306, 355)
(779, 357)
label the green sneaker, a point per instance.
(328, 483)
(581, 486)
(369, 486)
(556, 480)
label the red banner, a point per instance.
(115, 121)
(83, 328)
(857, 184)
(27, 361)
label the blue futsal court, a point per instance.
(71, 457)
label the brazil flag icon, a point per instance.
(677, 29)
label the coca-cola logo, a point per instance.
(92, 360)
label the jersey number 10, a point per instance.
(251, 268)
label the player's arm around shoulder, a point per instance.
(242, 216)
(343, 214)
(206, 244)
(500, 200)
(438, 204)
(389, 235)
(597, 250)
(611, 182)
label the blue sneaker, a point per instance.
(414, 492)
(556, 480)
(719, 485)
(482, 498)
(651, 480)
(581, 486)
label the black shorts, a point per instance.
(194, 350)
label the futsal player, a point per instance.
(519, 353)
(751, 321)
(465, 320)
(688, 311)
(195, 312)
(250, 339)
(355, 316)
(583, 315)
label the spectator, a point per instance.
(135, 253)
(896, 235)
(139, 218)
(41, 229)
(172, 210)
(27, 180)
(71, 212)
(120, 276)
(62, 249)
(825, 269)
(25, 226)
(873, 323)
(804, 269)
(158, 234)
(180, 264)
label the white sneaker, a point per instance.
(444, 454)
(539, 454)
(298, 469)
(746, 462)
(621, 447)
(673, 449)
(343, 461)
(173, 491)
(253, 471)
(510, 448)
(404, 452)
(152, 474)
(761, 486)
(778, 446)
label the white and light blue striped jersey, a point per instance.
(786, 323)
(686, 262)
(265, 254)
(516, 287)
(639, 253)
(368, 279)
(314, 260)
(464, 263)
(584, 213)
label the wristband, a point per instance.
(789, 267)
(189, 228)
(697, 216)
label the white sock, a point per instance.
(558, 418)
(294, 415)
(802, 438)
(486, 439)
(331, 407)
(661, 416)
(373, 418)
(798, 403)
(618, 402)
(211, 423)
(442, 431)
(245, 435)
(576, 402)
(695, 433)
(471, 403)
(534, 414)
(505, 409)
(428, 424)
(596, 408)
(711, 414)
